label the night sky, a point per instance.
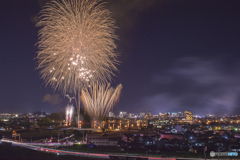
(175, 56)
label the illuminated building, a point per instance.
(130, 115)
(122, 114)
(149, 113)
(174, 114)
(142, 115)
(180, 114)
(111, 114)
(188, 115)
(160, 115)
(102, 140)
(148, 116)
(163, 115)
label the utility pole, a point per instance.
(58, 136)
(127, 144)
(83, 137)
(67, 144)
(204, 150)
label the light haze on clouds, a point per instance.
(198, 85)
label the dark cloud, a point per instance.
(56, 103)
(128, 15)
(53, 99)
(41, 3)
(195, 84)
(127, 12)
(35, 17)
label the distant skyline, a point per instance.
(117, 113)
(175, 56)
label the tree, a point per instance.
(103, 129)
(2, 124)
(57, 117)
(45, 122)
(25, 124)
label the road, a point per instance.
(83, 154)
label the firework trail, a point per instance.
(76, 45)
(99, 99)
(69, 114)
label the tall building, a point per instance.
(164, 116)
(174, 114)
(111, 114)
(238, 117)
(149, 113)
(148, 116)
(122, 114)
(130, 115)
(167, 115)
(142, 115)
(160, 115)
(180, 114)
(188, 115)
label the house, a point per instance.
(102, 140)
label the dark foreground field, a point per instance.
(18, 153)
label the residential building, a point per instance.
(102, 140)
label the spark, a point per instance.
(74, 63)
